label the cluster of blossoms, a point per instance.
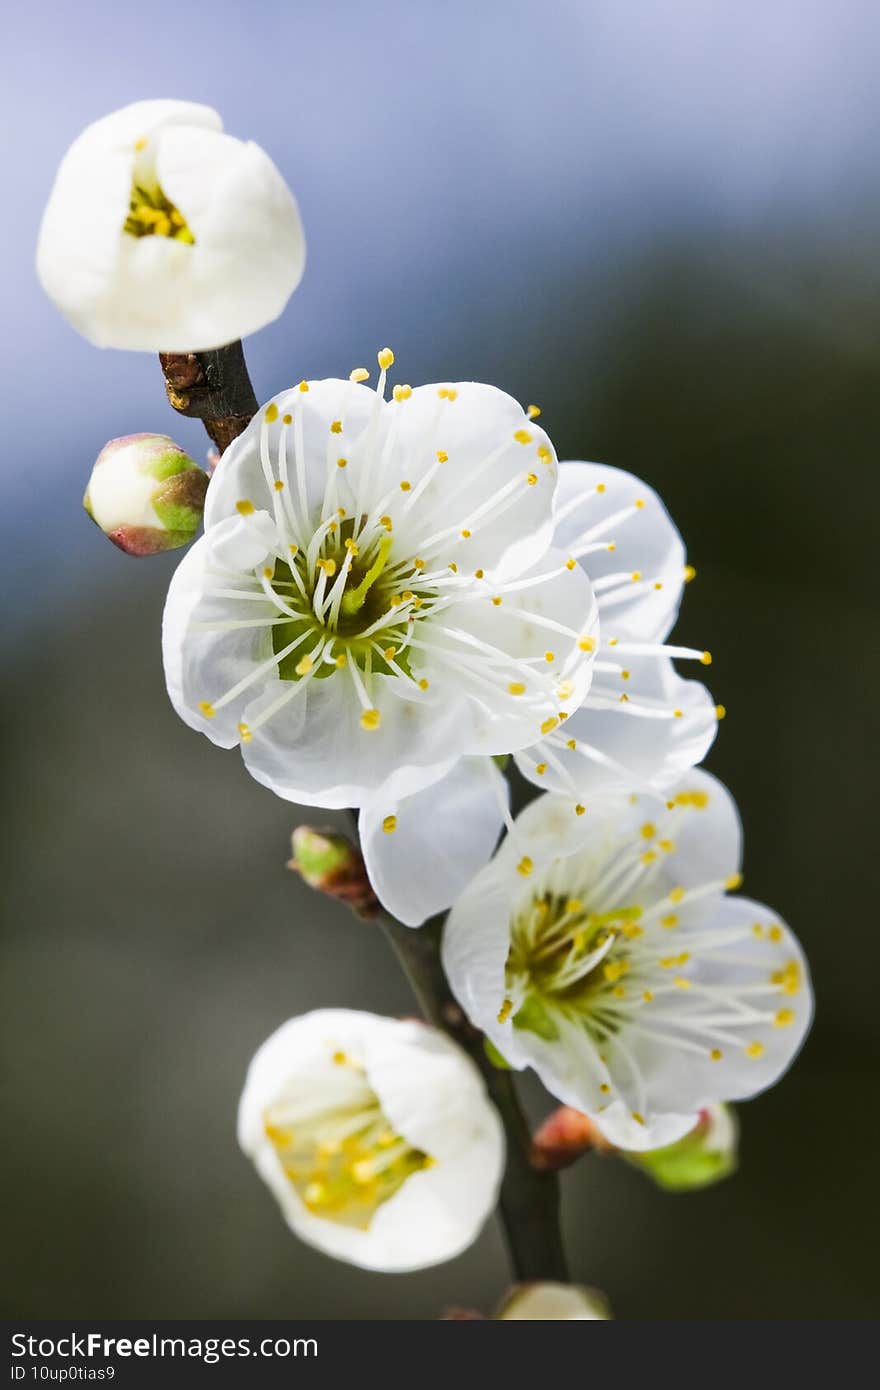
(393, 595)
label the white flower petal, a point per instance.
(554, 1302)
(646, 544)
(422, 851)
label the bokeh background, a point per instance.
(659, 220)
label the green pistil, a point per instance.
(353, 600)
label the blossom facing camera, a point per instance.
(602, 950)
(163, 234)
(549, 1302)
(146, 494)
(703, 1157)
(370, 612)
(376, 1137)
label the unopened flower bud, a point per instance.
(563, 1137)
(330, 863)
(554, 1302)
(704, 1156)
(146, 494)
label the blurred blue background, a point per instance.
(661, 222)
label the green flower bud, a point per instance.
(543, 1302)
(330, 863)
(703, 1157)
(146, 494)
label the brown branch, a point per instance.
(529, 1199)
(213, 387)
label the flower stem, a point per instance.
(529, 1199)
(213, 387)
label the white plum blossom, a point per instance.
(641, 723)
(602, 951)
(376, 1136)
(162, 233)
(370, 611)
(549, 1302)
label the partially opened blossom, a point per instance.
(371, 609)
(162, 233)
(602, 950)
(376, 1137)
(641, 724)
(549, 1302)
(705, 1155)
(146, 494)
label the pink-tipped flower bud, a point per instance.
(146, 494)
(563, 1137)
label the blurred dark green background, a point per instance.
(673, 249)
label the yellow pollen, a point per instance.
(755, 1050)
(370, 719)
(279, 486)
(579, 809)
(271, 413)
(505, 1011)
(244, 733)
(669, 921)
(565, 690)
(405, 486)
(389, 825)
(639, 1119)
(402, 393)
(540, 768)
(268, 572)
(639, 502)
(466, 534)
(390, 653)
(340, 1058)
(658, 585)
(600, 487)
(571, 563)
(244, 507)
(497, 600)
(757, 930)
(304, 386)
(733, 882)
(531, 479)
(625, 675)
(287, 419)
(141, 144)
(533, 411)
(385, 358)
(587, 644)
(207, 709)
(678, 713)
(516, 688)
(681, 983)
(478, 574)
(525, 866)
(549, 724)
(359, 374)
(619, 992)
(328, 566)
(649, 856)
(453, 567)
(676, 895)
(716, 1054)
(775, 933)
(386, 522)
(648, 831)
(689, 573)
(647, 995)
(424, 684)
(522, 436)
(544, 454)
(336, 427)
(548, 656)
(605, 1088)
(706, 658)
(294, 549)
(352, 546)
(304, 666)
(720, 712)
(341, 660)
(667, 846)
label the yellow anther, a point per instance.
(497, 600)
(271, 414)
(294, 549)
(678, 714)
(681, 983)
(405, 485)
(587, 644)
(639, 502)
(522, 436)
(389, 825)
(424, 684)
(505, 1011)
(579, 809)
(625, 675)
(565, 690)
(531, 479)
(548, 656)
(636, 575)
(466, 535)
(207, 709)
(755, 1050)
(619, 992)
(452, 394)
(268, 572)
(385, 358)
(775, 933)
(516, 688)
(540, 768)
(386, 522)
(479, 574)
(757, 930)
(328, 566)
(648, 831)
(649, 856)
(720, 712)
(716, 1054)
(390, 653)
(689, 573)
(669, 921)
(647, 995)
(525, 866)
(667, 846)
(141, 144)
(604, 1088)
(676, 895)
(370, 719)
(453, 567)
(336, 427)
(340, 1058)
(279, 486)
(245, 507)
(639, 1119)
(304, 666)
(341, 660)
(533, 411)
(784, 1018)
(733, 882)
(244, 733)
(571, 563)
(304, 386)
(352, 547)
(600, 487)
(359, 374)
(549, 724)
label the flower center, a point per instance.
(344, 1160)
(564, 958)
(150, 211)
